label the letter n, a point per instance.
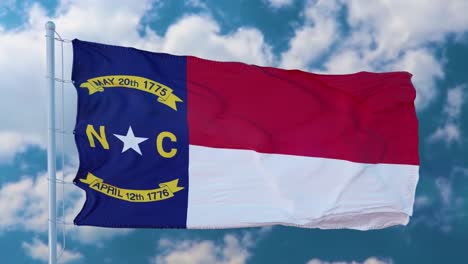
(101, 137)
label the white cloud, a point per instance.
(425, 69)
(407, 24)
(449, 131)
(451, 205)
(196, 3)
(376, 44)
(200, 36)
(13, 143)
(461, 170)
(383, 36)
(315, 37)
(347, 61)
(84, 19)
(443, 209)
(39, 250)
(455, 102)
(371, 260)
(233, 250)
(445, 190)
(24, 206)
(22, 82)
(422, 201)
(279, 3)
(400, 32)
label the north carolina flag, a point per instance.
(170, 141)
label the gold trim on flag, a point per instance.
(164, 93)
(165, 191)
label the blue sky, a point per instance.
(335, 36)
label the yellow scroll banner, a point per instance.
(164, 93)
(165, 191)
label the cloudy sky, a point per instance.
(427, 38)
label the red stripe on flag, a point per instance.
(362, 117)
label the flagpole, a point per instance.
(50, 53)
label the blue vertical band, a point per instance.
(118, 89)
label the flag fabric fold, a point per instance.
(169, 141)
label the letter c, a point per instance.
(159, 144)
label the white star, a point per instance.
(130, 141)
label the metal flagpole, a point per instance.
(50, 38)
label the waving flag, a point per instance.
(181, 142)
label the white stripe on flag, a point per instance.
(235, 188)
